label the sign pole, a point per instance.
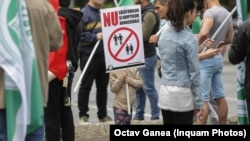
(87, 64)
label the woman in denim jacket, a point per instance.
(180, 92)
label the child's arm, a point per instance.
(135, 81)
(117, 79)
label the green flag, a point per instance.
(196, 25)
(242, 106)
(23, 97)
(125, 2)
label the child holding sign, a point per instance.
(118, 82)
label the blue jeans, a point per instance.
(37, 135)
(211, 78)
(148, 76)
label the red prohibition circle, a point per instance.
(132, 33)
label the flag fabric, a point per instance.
(23, 96)
(196, 25)
(126, 2)
(241, 104)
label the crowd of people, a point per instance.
(190, 58)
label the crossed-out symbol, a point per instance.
(123, 43)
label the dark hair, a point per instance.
(177, 10)
(162, 2)
(200, 5)
(64, 3)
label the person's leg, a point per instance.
(219, 95)
(67, 120)
(140, 104)
(52, 111)
(206, 71)
(222, 110)
(3, 127)
(183, 117)
(167, 117)
(149, 86)
(164, 114)
(147, 75)
(102, 80)
(213, 112)
(84, 90)
(121, 117)
(37, 135)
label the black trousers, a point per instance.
(96, 71)
(59, 122)
(171, 117)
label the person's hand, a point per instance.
(153, 39)
(99, 36)
(123, 74)
(211, 52)
(221, 44)
(127, 79)
(206, 44)
(199, 114)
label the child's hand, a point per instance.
(123, 74)
(127, 79)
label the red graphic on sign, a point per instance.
(116, 54)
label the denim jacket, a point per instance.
(180, 62)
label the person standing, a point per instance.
(47, 36)
(118, 82)
(211, 68)
(150, 25)
(96, 69)
(45, 26)
(161, 9)
(238, 52)
(59, 119)
(180, 92)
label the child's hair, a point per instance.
(64, 3)
(177, 10)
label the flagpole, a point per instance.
(87, 64)
(128, 99)
(220, 27)
(163, 27)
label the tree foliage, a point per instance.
(229, 4)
